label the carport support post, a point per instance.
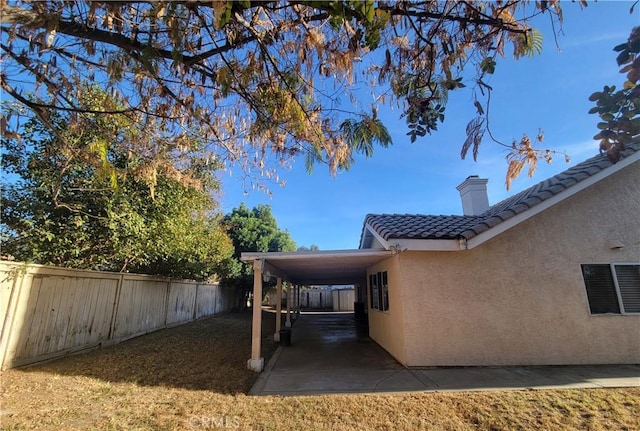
(256, 363)
(276, 336)
(287, 324)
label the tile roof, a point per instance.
(418, 226)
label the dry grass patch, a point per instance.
(194, 377)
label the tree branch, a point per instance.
(493, 22)
(127, 43)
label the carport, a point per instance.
(304, 268)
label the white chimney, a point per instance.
(473, 192)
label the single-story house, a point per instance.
(549, 276)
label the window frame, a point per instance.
(379, 291)
(616, 285)
(384, 290)
(375, 291)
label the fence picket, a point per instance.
(49, 312)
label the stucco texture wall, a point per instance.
(519, 298)
(387, 328)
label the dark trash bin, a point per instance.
(285, 337)
(362, 328)
(358, 310)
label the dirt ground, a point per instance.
(194, 377)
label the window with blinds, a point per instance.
(628, 278)
(613, 288)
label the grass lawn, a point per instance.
(194, 377)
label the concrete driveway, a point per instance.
(330, 353)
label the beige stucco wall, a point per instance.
(519, 298)
(386, 327)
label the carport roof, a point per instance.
(319, 267)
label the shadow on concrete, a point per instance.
(331, 353)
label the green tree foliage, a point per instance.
(256, 230)
(253, 230)
(619, 109)
(262, 82)
(75, 196)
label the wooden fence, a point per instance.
(48, 312)
(342, 299)
(317, 299)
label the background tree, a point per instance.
(74, 196)
(260, 82)
(253, 230)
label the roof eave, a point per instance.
(485, 236)
(320, 254)
(368, 235)
(404, 244)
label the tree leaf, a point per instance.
(620, 47)
(488, 65)
(623, 57)
(478, 106)
(595, 96)
(475, 132)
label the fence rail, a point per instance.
(48, 312)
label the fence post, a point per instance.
(216, 291)
(195, 304)
(116, 305)
(166, 303)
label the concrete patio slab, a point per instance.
(332, 354)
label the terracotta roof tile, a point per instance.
(418, 226)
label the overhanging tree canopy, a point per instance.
(261, 82)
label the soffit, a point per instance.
(319, 267)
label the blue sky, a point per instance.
(549, 92)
